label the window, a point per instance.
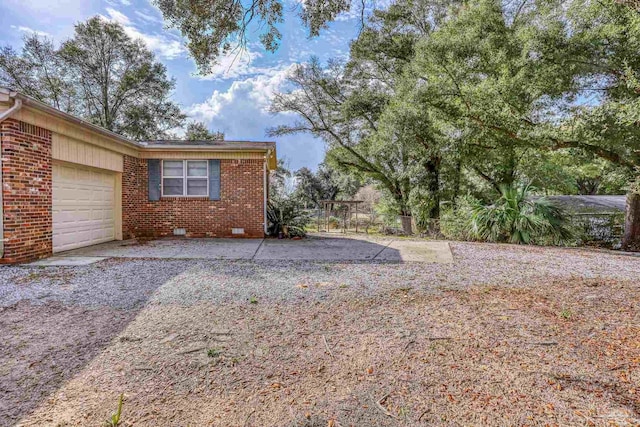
(185, 178)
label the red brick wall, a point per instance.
(27, 198)
(26, 191)
(240, 204)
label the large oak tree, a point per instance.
(487, 90)
(100, 74)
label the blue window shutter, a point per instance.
(153, 166)
(214, 179)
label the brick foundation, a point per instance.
(240, 204)
(26, 191)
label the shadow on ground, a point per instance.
(254, 343)
(43, 346)
(55, 320)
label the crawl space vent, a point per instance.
(237, 231)
(179, 232)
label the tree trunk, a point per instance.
(405, 211)
(456, 183)
(406, 223)
(631, 238)
(434, 190)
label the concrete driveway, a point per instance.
(313, 248)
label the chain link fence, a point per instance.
(338, 220)
(594, 229)
(599, 229)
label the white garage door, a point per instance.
(83, 206)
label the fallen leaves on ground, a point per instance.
(486, 355)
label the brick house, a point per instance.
(67, 184)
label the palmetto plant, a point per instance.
(518, 218)
(285, 216)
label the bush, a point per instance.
(455, 222)
(517, 218)
(286, 216)
(334, 222)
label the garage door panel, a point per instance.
(70, 217)
(99, 215)
(96, 226)
(103, 198)
(83, 207)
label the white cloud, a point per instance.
(30, 30)
(42, 11)
(118, 16)
(300, 54)
(241, 112)
(330, 44)
(252, 93)
(235, 64)
(164, 45)
(148, 16)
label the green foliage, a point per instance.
(198, 131)
(100, 74)
(440, 99)
(388, 210)
(220, 27)
(280, 181)
(573, 172)
(114, 421)
(517, 217)
(215, 352)
(332, 105)
(634, 186)
(455, 220)
(326, 183)
(425, 209)
(566, 314)
(40, 72)
(284, 215)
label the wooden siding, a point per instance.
(67, 134)
(72, 130)
(74, 151)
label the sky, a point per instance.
(235, 97)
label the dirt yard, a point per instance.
(503, 336)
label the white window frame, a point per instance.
(184, 177)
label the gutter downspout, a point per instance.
(17, 105)
(264, 190)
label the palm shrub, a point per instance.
(286, 216)
(518, 218)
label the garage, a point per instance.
(67, 184)
(83, 206)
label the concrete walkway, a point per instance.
(314, 248)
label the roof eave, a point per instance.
(27, 101)
(238, 147)
(267, 147)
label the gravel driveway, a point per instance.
(169, 333)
